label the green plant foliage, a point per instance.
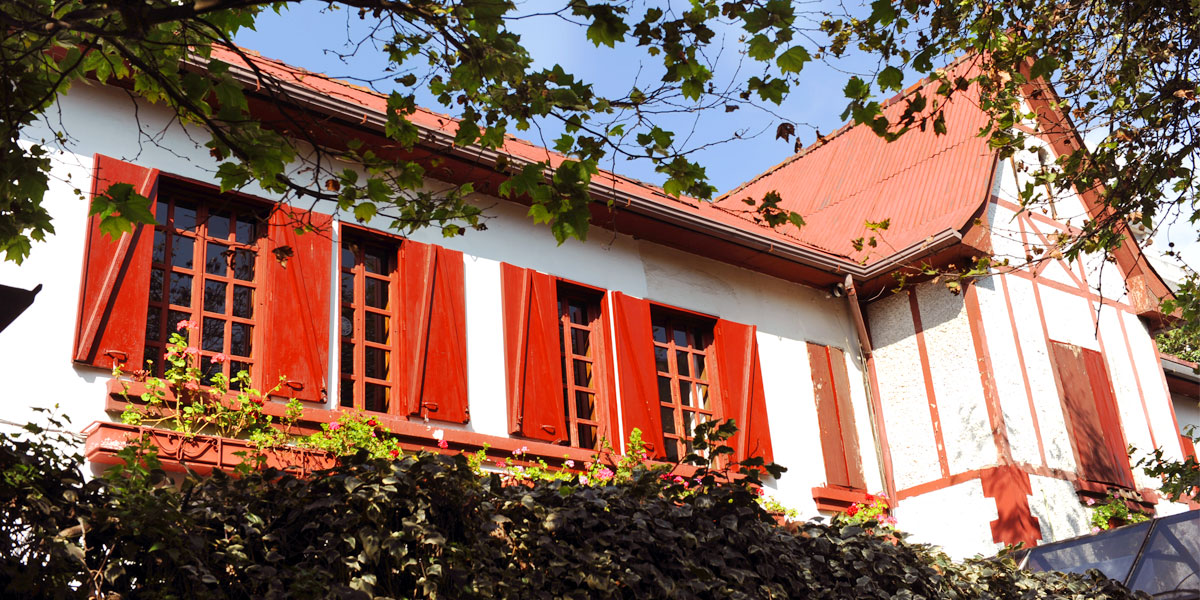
(1180, 478)
(429, 526)
(1114, 513)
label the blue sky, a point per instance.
(306, 36)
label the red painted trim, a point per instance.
(838, 499)
(934, 418)
(1012, 319)
(1138, 380)
(938, 484)
(889, 478)
(1010, 488)
(987, 376)
(1062, 287)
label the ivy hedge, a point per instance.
(428, 526)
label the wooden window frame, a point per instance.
(173, 192)
(676, 442)
(592, 303)
(387, 249)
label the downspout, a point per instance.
(878, 427)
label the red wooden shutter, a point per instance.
(835, 416)
(1110, 421)
(1091, 415)
(635, 365)
(296, 326)
(533, 356)
(115, 285)
(742, 395)
(434, 337)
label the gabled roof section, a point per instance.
(923, 183)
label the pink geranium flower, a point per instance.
(185, 324)
(605, 473)
(220, 358)
(443, 444)
(335, 426)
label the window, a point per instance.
(368, 293)
(258, 290)
(1091, 413)
(579, 323)
(203, 269)
(682, 353)
(835, 416)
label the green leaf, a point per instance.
(891, 78)
(792, 60)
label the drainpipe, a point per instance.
(881, 440)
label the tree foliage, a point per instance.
(1125, 73)
(428, 526)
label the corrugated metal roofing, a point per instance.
(923, 182)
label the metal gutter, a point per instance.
(441, 141)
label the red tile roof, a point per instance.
(923, 182)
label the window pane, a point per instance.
(216, 259)
(152, 356)
(585, 406)
(376, 365)
(153, 324)
(185, 217)
(375, 262)
(583, 373)
(680, 337)
(347, 392)
(160, 247)
(702, 398)
(218, 225)
(700, 372)
(160, 212)
(347, 358)
(243, 265)
(214, 335)
(672, 450)
(664, 390)
(577, 313)
(681, 363)
(375, 397)
(376, 295)
(239, 339)
(214, 296)
(243, 301)
(660, 334)
(208, 369)
(156, 285)
(660, 359)
(668, 421)
(587, 436)
(245, 229)
(348, 259)
(688, 425)
(181, 289)
(173, 319)
(236, 367)
(347, 322)
(685, 393)
(581, 343)
(699, 338)
(347, 288)
(181, 252)
(375, 327)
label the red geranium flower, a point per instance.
(853, 510)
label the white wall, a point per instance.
(957, 518)
(787, 315)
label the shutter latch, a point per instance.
(295, 385)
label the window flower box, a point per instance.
(201, 453)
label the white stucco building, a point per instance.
(989, 415)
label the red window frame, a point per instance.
(368, 297)
(581, 341)
(224, 288)
(683, 367)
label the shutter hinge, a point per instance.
(117, 355)
(430, 406)
(549, 429)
